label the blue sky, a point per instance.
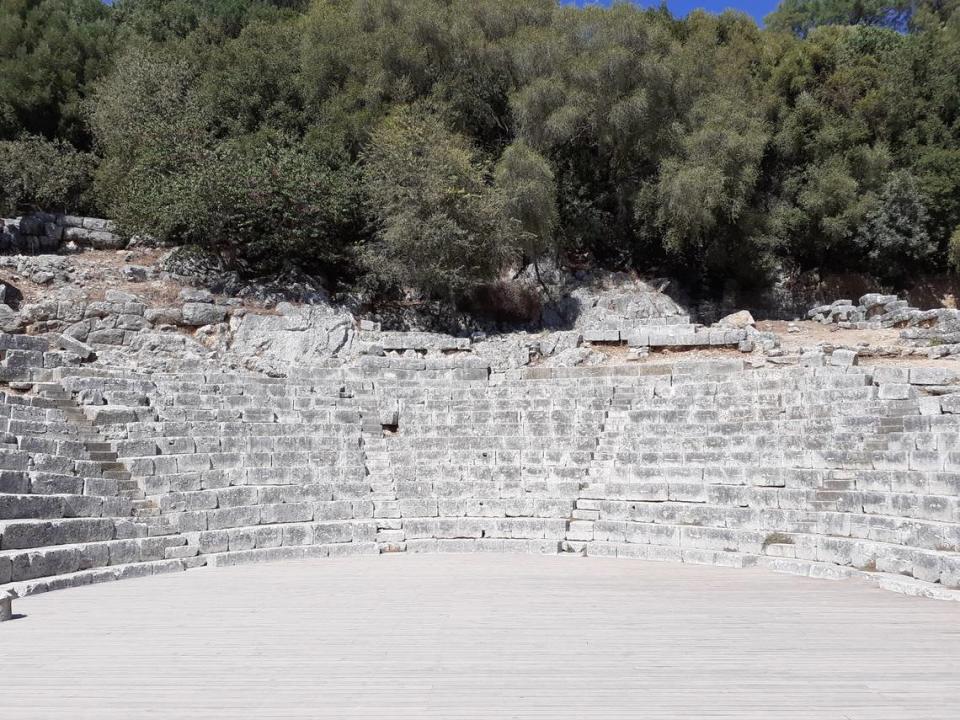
(757, 8)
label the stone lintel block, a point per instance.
(601, 334)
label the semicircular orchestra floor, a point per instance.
(480, 636)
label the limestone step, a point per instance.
(274, 554)
(56, 506)
(104, 456)
(110, 466)
(20, 534)
(276, 534)
(100, 574)
(144, 507)
(34, 563)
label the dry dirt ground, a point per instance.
(811, 334)
(97, 271)
(796, 336)
(102, 270)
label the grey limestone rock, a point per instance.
(932, 376)
(196, 295)
(110, 336)
(10, 320)
(575, 357)
(843, 358)
(739, 320)
(81, 349)
(163, 316)
(202, 313)
(119, 296)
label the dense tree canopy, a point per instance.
(438, 144)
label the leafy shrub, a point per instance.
(271, 202)
(50, 51)
(441, 227)
(39, 174)
(265, 199)
(261, 201)
(525, 179)
(152, 130)
(895, 234)
(953, 249)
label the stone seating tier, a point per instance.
(831, 472)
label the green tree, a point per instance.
(529, 192)
(953, 249)
(152, 130)
(361, 58)
(40, 174)
(50, 52)
(895, 234)
(251, 82)
(802, 16)
(168, 21)
(263, 199)
(441, 227)
(711, 182)
(595, 97)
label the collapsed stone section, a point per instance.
(825, 471)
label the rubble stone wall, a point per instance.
(47, 232)
(823, 471)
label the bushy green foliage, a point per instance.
(269, 202)
(895, 234)
(152, 131)
(262, 198)
(710, 182)
(954, 249)
(50, 50)
(441, 225)
(528, 187)
(440, 143)
(40, 174)
(802, 16)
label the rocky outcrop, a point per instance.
(875, 311)
(936, 331)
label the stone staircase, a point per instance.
(378, 420)
(580, 525)
(98, 448)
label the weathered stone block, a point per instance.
(844, 358)
(932, 376)
(896, 391)
(332, 532)
(197, 314)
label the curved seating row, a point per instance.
(822, 471)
